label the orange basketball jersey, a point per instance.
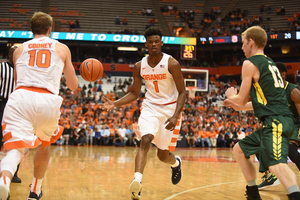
(160, 85)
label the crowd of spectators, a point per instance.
(204, 122)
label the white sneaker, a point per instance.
(135, 189)
(4, 194)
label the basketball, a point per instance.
(91, 69)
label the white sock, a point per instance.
(175, 164)
(5, 181)
(36, 186)
(138, 176)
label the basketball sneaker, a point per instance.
(176, 172)
(16, 179)
(272, 181)
(252, 193)
(4, 194)
(135, 189)
(34, 196)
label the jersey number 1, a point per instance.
(40, 57)
(156, 86)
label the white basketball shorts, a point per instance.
(151, 121)
(31, 118)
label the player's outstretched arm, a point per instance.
(236, 107)
(131, 96)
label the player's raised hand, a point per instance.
(231, 92)
(171, 123)
(108, 104)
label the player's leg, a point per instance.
(41, 160)
(242, 150)
(167, 157)
(294, 155)
(140, 163)
(276, 142)
(16, 179)
(268, 179)
(8, 168)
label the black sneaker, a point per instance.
(16, 179)
(176, 172)
(135, 189)
(33, 195)
(294, 196)
(252, 193)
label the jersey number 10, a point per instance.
(40, 58)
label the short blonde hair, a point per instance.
(257, 34)
(40, 23)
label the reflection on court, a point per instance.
(106, 172)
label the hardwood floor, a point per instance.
(106, 172)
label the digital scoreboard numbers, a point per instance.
(282, 36)
(188, 52)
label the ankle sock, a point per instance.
(36, 186)
(138, 176)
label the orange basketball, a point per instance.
(91, 69)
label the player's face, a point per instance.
(246, 47)
(154, 43)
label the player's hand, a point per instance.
(107, 105)
(171, 123)
(231, 92)
(229, 103)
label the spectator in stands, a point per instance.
(98, 137)
(89, 136)
(117, 20)
(125, 21)
(72, 24)
(144, 12)
(77, 24)
(121, 138)
(105, 134)
(149, 12)
(205, 137)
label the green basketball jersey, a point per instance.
(268, 94)
(288, 89)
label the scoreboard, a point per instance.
(295, 35)
(188, 52)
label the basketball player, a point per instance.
(293, 95)
(160, 118)
(31, 114)
(262, 81)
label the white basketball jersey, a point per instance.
(39, 65)
(160, 85)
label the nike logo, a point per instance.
(143, 68)
(87, 66)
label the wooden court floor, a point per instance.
(105, 173)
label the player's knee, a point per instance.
(146, 140)
(237, 149)
(293, 152)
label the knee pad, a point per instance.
(11, 161)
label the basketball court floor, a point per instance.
(105, 173)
